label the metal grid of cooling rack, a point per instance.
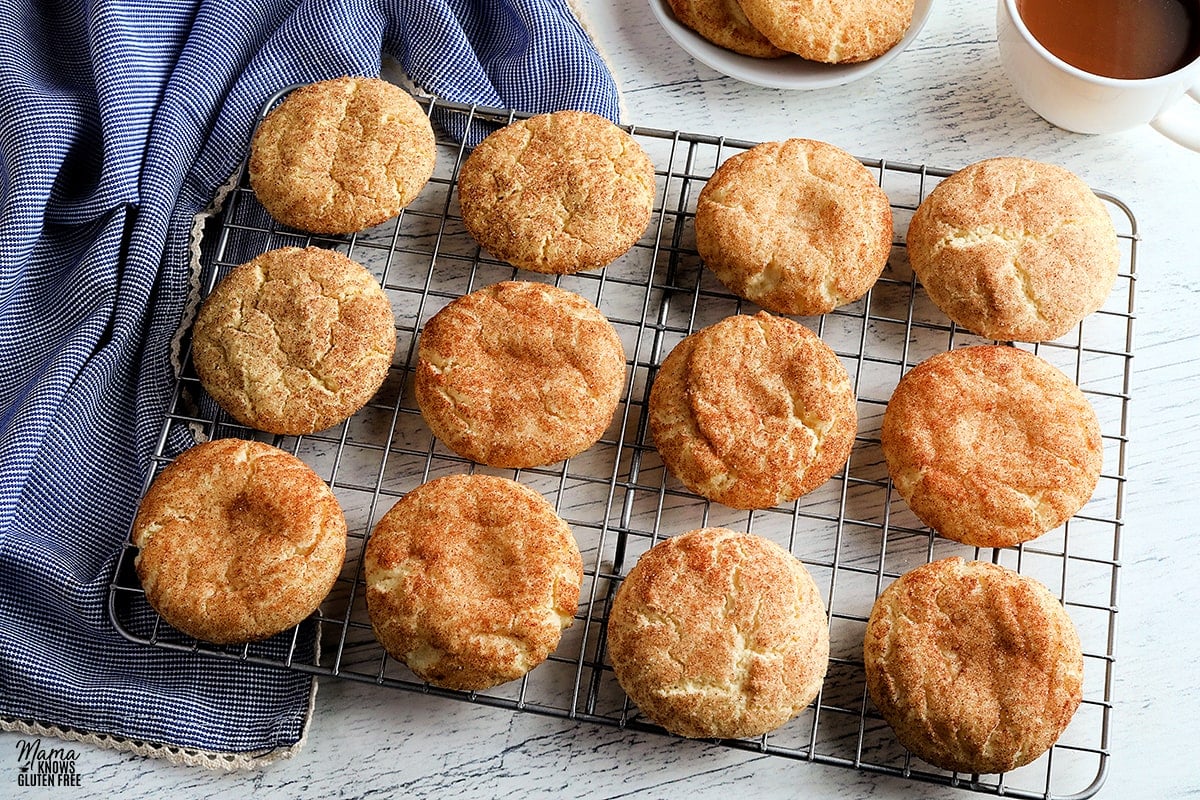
(854, 534)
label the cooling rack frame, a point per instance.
(854, 533)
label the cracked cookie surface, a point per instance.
(557, 193)
(977, 669)
(238, 541)
(798, 227)
(753, 411)
(519, 374)
(1014, 249)
(844, 32)
(716, 633)
(295, 340)
(342, 155)
(471, 580)
(991, 445)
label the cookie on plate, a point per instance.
(723, 23)
(753, 411)
(471, 580)
(798, 227)
(295, 340)
(977, 669)
(557, 193)
(719, 634)
(237, 541)
(342, 155)
(991, 445)
(847, 31)
(519, 374)
(1014, 249)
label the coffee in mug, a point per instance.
(1128, 39)
(1102, 66)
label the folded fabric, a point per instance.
(122, 118)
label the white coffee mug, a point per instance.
(1085, 103)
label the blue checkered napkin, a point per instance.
(120, 120)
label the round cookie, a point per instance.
(557, 193)
(1014, 250)
(341, 155)
(847, 31)
(798, 227)
(719, 634)
(753, 411)
(977, 669)
(237, 541)
(471, 580)
(519, 374)
(990, 445)
(295, 340)
(723, 23)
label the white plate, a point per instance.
(788, 72)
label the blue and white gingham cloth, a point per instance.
(118, 121)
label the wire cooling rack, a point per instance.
(854, 533)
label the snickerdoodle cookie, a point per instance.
(519, 374)
(798, 227)
(991, 445)
(557, 193)
(719, 634)
(847, 31)
(978, 669)
(342, 155)
(295, 340)
(1014, 250)
(471, 580)
(723, 23)
(237, 541)
(753, 411)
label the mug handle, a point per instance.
(1178, 130)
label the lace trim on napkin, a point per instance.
(228, 762)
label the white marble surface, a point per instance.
(945, 103)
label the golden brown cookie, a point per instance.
(1014, 250)
(847, 31)
(978, 669)
(471, 580)
(723, 23)
(719, 634)
(753, 411)
(557, 193)
(295, 340)
(798, 227)
(341, 155)
(238, 541)
(519, 374)
(991, 445)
